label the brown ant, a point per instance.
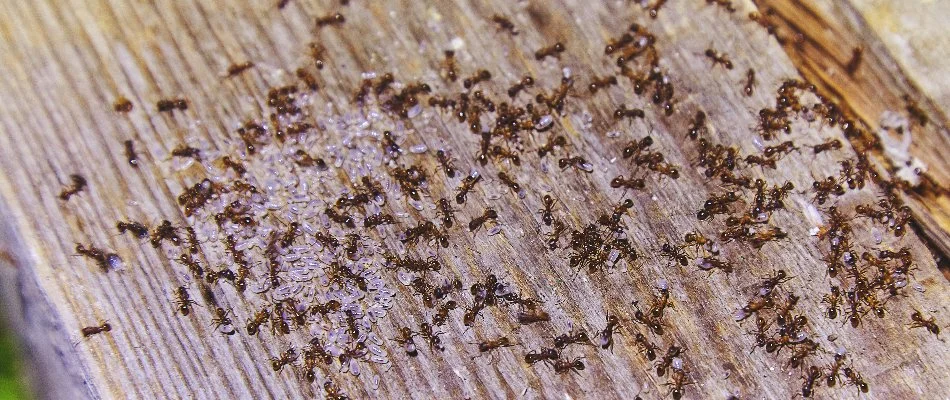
(446, 163)
(237, 69)
(855, 379)
(93, 330)
(432, 337)
(918, 321)
(183, 301)
(565, 366)
(317, 52)
(546, 215)
(632, 183)
(78, 184)
(510, 182)
(187, 152)
(726, 4)
(854, 63)
(442, 314)
(466, 186)
(832, 299)
(168, 105)
(674, 253)
(130, 155)
(102, 258)
(607, 334)
(504, 24)
(405, 339)
(580, 337)
(672, 352)
(525, 82)
(490, 345)
(622, 112)
(479, 76)
(259, 318)
(552, 50)
(830, 144)
(600, 83)
(832, 377)
(532, 315)
(809, 381)
(308, 79)
(122, 105)
(221, 320)
(332, 19)
(283, 359)
(137, 229)
(698, 128)
(678, 380)
(477, 222)
(555, 235)
(749, 82)
(578, 163)
(719, 58)
(645, 346)
(557, 141)
(545, 354)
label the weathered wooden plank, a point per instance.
(68, 64)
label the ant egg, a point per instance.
(418, 149)
(494, 230)
(740, 314)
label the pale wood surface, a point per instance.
(65, 64)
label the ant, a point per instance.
(446, 163)
(563, 340)
(552, 50)
(632, 183)
(674, 254)
(557, 141)
(555, 235)
(645, 346)
(137, 229)
(103, 259)
(545, 354)
(78, 184)
(442, 314)
(749, 82)
(479, 76)
(187, 152)
(183, 300)
(130, 153)
(607, 334)
(855, 379)
(546, 212)
(726, 4)
(577, 163)
(477, 222)
(333, 19)
(168, 105)
(308, 79)
(490, 345)
(510, 182)
(830, 144)
(504, 24)
(920, 322)
(254, 323)
(122, 105)
(854, 63)
(914, 110)
(432, 337)
(446, 212)
(678, 380)
(221, 320)
(565, 366)
(622, 112)
(600, 83)
(672, 352)
(833, 299)
(237, 69)
(532, 315)
(698, 127)
(93, 330)
(525, 82)
(405, 339)
(466, 186)
(283, 359)
(719, 58)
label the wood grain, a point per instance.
(65, 64)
